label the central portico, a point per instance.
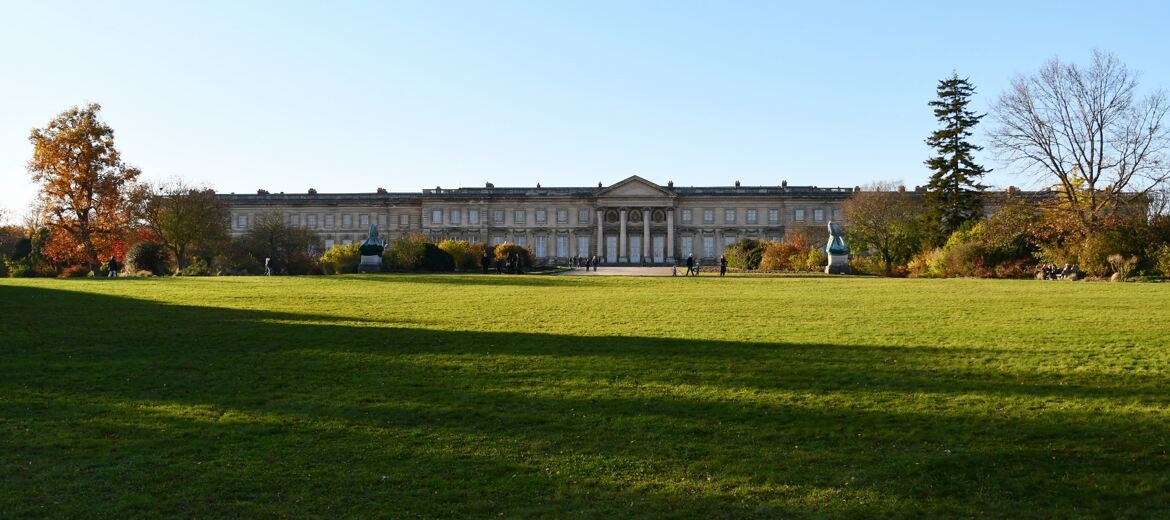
(635, 223)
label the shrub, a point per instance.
(789, 255)
(816, 260)
(437, 260)
(1019, 268)
(865, 264)
(507, 250)
(74, 271)
(477, 251)
(237, 261)
(928, 264)
(342, 258)
(197, 267)
(19, 269)
(1122, 267)
(147, 256)
(406, 253)
(1162, 260)
(465, 258)
(746, 253)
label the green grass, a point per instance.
(475, 396)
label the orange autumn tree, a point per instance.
(86, 191)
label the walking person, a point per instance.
(112, 267)
(267, 266)
(722, 265)
(690, 265)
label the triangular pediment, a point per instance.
(634, 186)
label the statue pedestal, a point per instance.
(370, 264)
(838, 264)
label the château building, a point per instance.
(634, 221)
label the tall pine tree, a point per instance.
(954, 194)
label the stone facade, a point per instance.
(632, 222)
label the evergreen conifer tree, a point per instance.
(954, 194)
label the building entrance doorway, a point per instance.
(635, 250)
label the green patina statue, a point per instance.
(372, 246)
(836, 245)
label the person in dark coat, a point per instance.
(722, 265)
(690, 265)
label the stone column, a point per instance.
(670, 235)
(623, 257)
(600, 241)
(647, 253)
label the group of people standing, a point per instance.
(693, 266)
(584, 261)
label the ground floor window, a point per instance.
(708, 246)
(583, 246)
(562, 247)
(688, 246)
(541, 247)
(497, 240)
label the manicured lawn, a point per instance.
(476, 396)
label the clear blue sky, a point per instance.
(352, 96)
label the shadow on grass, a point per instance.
(121, 406)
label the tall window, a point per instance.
(242, 221)
(519, 218)
(708, 216)
(521, 240)
(562, 247)
(541, 246)
(541, 216)
(328, 221)
(456, 216)
(687, 216)
(294, 220)
(836, 214)
(752, 216)
(688, 246)
(364, 221)
(473, 217)
(311, 220)
(583, 246)
(729, 216)
(708, 246)
(404, 220)
(773, 216)
(347, 220)
(436, 216)
(382, 220)
(583, 216)
(562, 217)
(498, 217)
(819, 215)
(798, 215)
